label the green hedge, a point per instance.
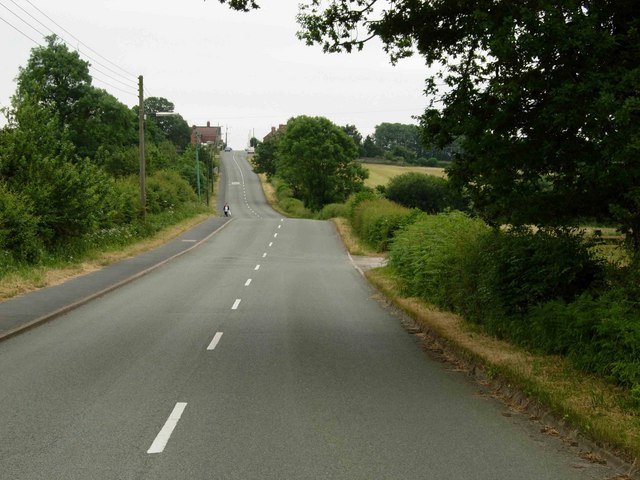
(542, 290)
(376, 221)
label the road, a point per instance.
(259, 355)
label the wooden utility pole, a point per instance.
(143, 195)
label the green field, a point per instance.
(381, 174)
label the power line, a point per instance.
(21, 19)
(71, 46)
(20, 31)
(80, 41)
(129, 92)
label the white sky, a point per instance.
(246, 71)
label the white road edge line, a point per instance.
(163, 436)
(235, 304)
(214, 342)
(247, 283)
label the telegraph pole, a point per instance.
(143, 196)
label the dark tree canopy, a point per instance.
(542, 96)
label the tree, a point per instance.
(54, 78)
(254, 142)
(172, 127)
(543, 94)
(264, 161)
(369, 148)
(318, 160)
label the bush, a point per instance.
(18, 227)
(354, 200)
(426, 192)
(167, 190)
(598, 334)
(376, 221)
(523, 269)
(333, 210)
(430, 256)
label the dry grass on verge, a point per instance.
(351, 242)
(597, 409)
(40, 277)
(270, 194)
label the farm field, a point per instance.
(381, 174)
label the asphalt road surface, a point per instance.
(260, 354)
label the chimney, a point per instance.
(273, 129)
(208, 124)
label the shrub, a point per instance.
(354, 200)
(18, 227)
(426, 192)
(524, 269)
(333, 210)
(167, 190)
(376, 221)
(598, 334)
(431, 254)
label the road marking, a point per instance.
(163, 436)
(264, 254)
(257, 267)
(270, 244)
(282, 219)
(214, 342)
(275, 235)
(247, 283)
(235, 304)
(235, 183)
(189, 241)
(279, 226)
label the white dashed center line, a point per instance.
(247, 283)
(264, 254)
(270, 244)
(257, 267)
(235, 304)
(275, 235)
(163, 437)
(214, 342)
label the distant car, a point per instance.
(227, 149)
(251, 150)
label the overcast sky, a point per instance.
(246, 71)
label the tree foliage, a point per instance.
(170, 127)
(264, 161)
(426, 192)
(318, 160)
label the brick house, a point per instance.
(210, 135)
(275, 131)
